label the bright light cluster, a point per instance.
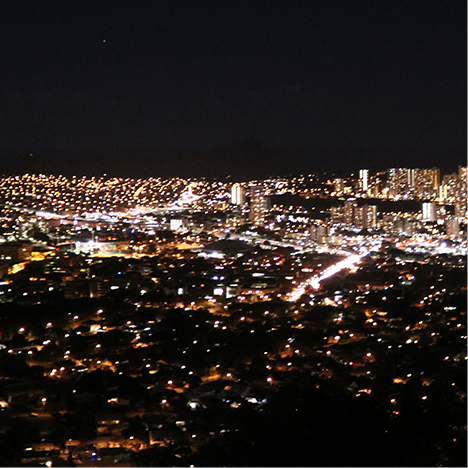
(314, 282)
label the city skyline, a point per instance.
(233, 233)
(167, 322)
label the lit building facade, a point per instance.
(413, 183)
(350, 211)
(369, 216)
(237, 194)
(363, 180)
(398, 181)
(453, 191)
(428, 211)
(258, 204)
(425, 182)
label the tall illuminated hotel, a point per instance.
(237, 194)
(364, 180)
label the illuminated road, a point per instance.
(314, 281)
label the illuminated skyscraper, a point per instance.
(365, 216)
(461, 202)
(398, 181)
(453, 190)
(258, 204)
(428, 211)
(449, 188)
(424, 182)
(350, 207)
(237, 194)
(369, 216)
(363, 180)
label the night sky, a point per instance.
(162, 88)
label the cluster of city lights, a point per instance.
(314, 282)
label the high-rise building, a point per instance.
(258, 204)
(337, 214)
(365, 217)
(424, 182)
(350, 207)
(449, 188)
(461, 208)
(408, 183)
(398, 180)
(453, 190)
(461, 201)
(363, 180)
(369, 216)
(237, 194)
(428, 211)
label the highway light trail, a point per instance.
(314, 281)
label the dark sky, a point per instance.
(164, 87)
